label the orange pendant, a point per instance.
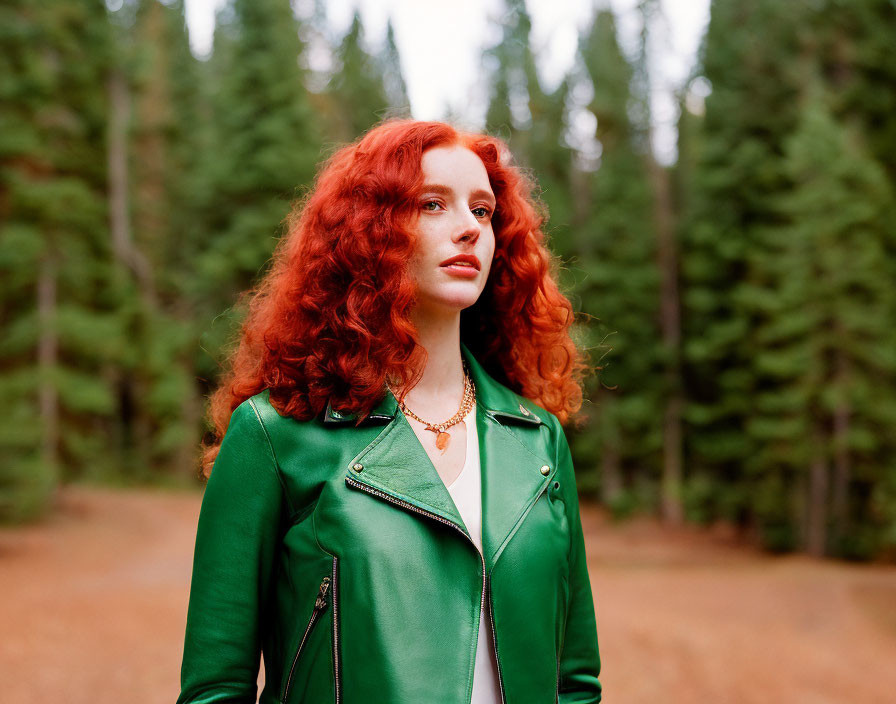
(442, 440)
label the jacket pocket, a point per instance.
(320, 603)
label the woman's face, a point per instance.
(454, 231)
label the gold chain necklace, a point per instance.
(466, 404)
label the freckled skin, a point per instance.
(451, 224)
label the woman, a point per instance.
(392, 513)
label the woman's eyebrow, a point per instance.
(447, 191)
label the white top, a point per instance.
(466, 491)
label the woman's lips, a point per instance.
(470, 259)
(464, 266)
(463, 271)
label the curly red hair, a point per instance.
(330, 320)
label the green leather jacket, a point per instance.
(337, 552)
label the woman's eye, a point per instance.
(484, 212)
(430, 202)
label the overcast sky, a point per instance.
(441, 46)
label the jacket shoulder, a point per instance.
(262, 406)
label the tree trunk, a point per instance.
(134, 430)
(842, 469)
(670, 332)
(186, 459)
(47, 358)
(816, 514)
(122, 242)
(611, 473)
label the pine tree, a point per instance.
(619, 288)
(57, 294)
(826, 357)
(393, 78)
(663, 224)
(735, 180)
(533, 122)
(788, 306)
(160, 406)
(265, 148)
(357, 91)
(853, 43)
(516, 89)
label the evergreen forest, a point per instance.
(739, 303)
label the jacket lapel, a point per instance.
(512, 454)
(397, 464)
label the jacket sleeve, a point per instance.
(579, 656)
(236, 544)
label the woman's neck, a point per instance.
(439, 392)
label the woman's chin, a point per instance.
(448, 302)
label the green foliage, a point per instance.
(27, 485)
(57, 286)
(783, 195)
(264, 147)
(727, 198)
(788, 340)
(357, 90)
(823, 311)
(618, 289)
(393, 79)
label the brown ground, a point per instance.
(94, 603)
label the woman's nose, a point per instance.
(468, 230)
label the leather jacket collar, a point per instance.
(495, 399)
(516, 456)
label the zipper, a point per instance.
(335, 633)
(495, 641)
(319, 605)
(557, 697)
(485, 582)
(560, 652)
(557, 700)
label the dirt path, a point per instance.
(94, 604)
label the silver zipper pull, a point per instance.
(321, 600)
